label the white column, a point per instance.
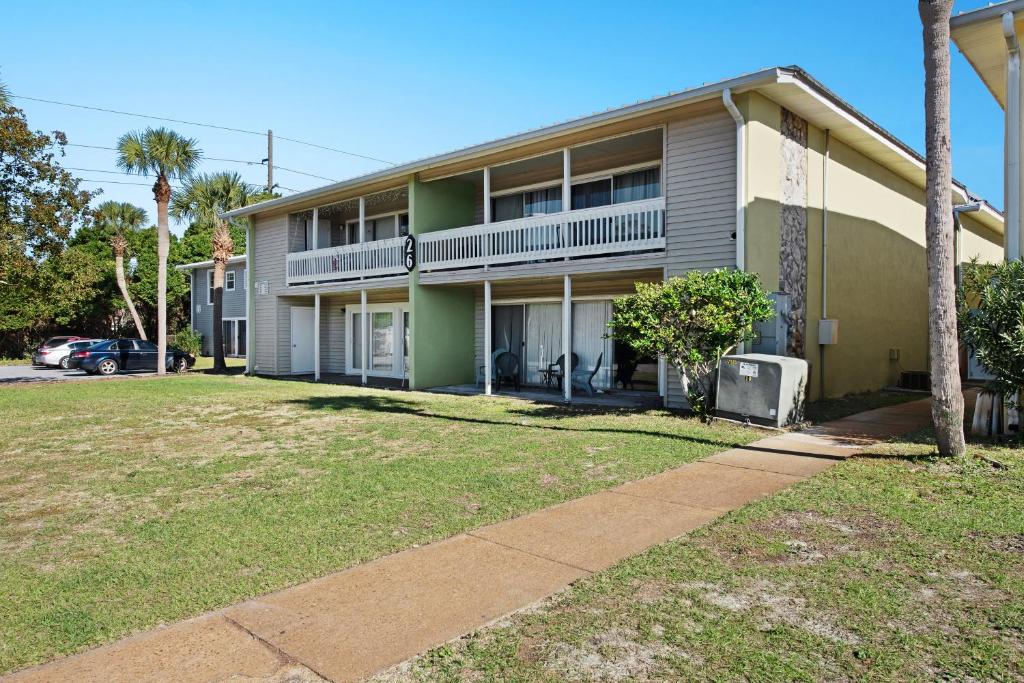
(566, 179)
(487, 194)
(364, 326)
(362, 219)
(316, 228)
(1013, 225)
(316, 335)
(663, 380)
(567, 338)
(487, 337)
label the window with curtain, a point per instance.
(594, 193)
(507, 208)
(548, 200)
(632, 187)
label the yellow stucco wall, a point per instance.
(877, 274)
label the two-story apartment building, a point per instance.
(521, 244)
(236, 334)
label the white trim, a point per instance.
(391, 214)
(581, 178)
(567, 337)
(316, 336)
(209, 288)
(232, 274)
(553, 299)
(234, 334)
(741, 180)
(488, 351)
(209, 264)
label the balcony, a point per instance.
(615, 229)
(349, 262)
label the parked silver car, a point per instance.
(59, 355)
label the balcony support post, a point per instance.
(566, 197)
(567, 339)
(316, 235)
(316, 336)
(487, 238)
(488, 342)
(364, 329)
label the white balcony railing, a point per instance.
(367, 259)
(614, 229)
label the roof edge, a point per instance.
(238, 258)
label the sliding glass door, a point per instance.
(388, 345)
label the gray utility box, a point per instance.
(766, 390)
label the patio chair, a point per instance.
(583, 379)
(481, 372)
(556, 370)
(507, 369)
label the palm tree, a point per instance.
(947, 396)
(203, 199)
(120, 218)
(167, 155)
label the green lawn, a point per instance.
(895, 566)
(125, 504)
(206, 363)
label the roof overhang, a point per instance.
(979, 36)
(209, 264)
(790, 87)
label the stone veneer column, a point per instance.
(793, 229)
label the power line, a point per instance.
(205, 158)
(196, 123)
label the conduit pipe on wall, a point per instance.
(824, 256)
(741, 255)
(1013, 124)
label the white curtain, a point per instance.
(543, 339)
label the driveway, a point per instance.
(25, 374)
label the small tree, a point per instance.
(692, 321)
(991, 318)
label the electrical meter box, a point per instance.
(762, 389)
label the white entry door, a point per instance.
(302, 339)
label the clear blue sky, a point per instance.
(403, 80)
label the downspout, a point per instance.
(958, 246)
(741, 255)
(250, 301)
(1013, 126)
(824, 257)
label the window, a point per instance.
(594, 193)
(229, 281)
(508, 208)
(124, 345)
(632, 187)
(144, 345)
(523, 204)
(209, 287)
(403, 225)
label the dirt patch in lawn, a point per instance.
(619, 654)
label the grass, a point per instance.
(206, 363)
(15, 361)
(893, 566)
(125, 504)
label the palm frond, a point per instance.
(120, 217)
(133, 154)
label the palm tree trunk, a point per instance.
(162, 193)
(219, 266)
(947, 396)
(122, 284)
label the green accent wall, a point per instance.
(441, 318)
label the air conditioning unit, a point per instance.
(762, 389)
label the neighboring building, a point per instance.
(235, 309)
(753, 172)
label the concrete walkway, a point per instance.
(351, 624)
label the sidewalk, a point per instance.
(351, 624)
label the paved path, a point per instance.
(29, 374)
(351, 624)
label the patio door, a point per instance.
(543, 340)
(387, 328)
(507, 331)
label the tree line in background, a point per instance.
(69, 265)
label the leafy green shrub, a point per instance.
(991, 318)
(693, 321)
(189, 341)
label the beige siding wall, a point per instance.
(700, 200)
(270, 244)
(332, 336)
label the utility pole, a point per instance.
(270, 161)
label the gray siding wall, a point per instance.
(700, 193)
(267, 260)
(202, 310)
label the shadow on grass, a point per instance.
(387, 404)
